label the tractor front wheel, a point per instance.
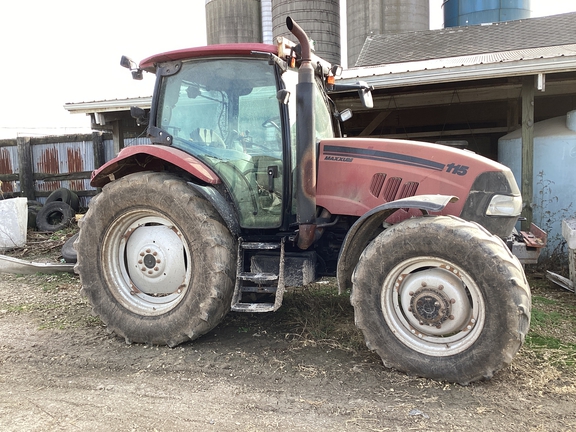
(441, 298)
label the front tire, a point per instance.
(155, 260)
(441, 298)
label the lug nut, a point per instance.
(452, 301)
(440, 287)
(411, 293)
(424, 284)
(451, 317)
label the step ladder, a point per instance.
(248, 282)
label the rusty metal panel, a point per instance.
(63, 158)
(9, 165)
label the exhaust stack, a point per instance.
(305, 141)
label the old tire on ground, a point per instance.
(54, 216)
(65, 195)
(68, 251)
(441, 298)
(156, 260)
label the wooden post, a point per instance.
(528, 90)
(98, 145)
(25, 171)
(118, 136)
(569, 234)
(512, 115)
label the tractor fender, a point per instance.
(370, 225)
(151, 158)
(222, 206)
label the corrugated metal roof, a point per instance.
(550, 31)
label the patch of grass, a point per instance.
(546, 319)
(311, 315)
(317, 314)
(537, 299)
(551, 349)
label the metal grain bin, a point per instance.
(238, 21)
(554, 196)
(467, 12)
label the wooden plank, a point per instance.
(83, 175)
(440, 97)
(374, 123)
(9, 177)
(439, 133)
(527, 177)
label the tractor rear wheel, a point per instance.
(155, 259)
(441, 298)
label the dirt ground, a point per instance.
(61, 371)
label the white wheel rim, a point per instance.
(153, 250)
(432, 306)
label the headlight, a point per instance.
(505, 205)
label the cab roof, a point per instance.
(242, 49)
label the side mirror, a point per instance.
(128, 63)
(283, 96)
(140, 115)
(365, 92)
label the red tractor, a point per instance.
(249, 188)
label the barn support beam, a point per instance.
(527, 177)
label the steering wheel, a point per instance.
(272, 122)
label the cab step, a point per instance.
(252, 285)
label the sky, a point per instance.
(66, 51)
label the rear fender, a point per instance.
(156, 158)
(151, 158)
(371, 224)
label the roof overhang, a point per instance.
(108, 105)
(491, 65)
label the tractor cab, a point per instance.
(234, 109)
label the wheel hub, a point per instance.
(430, 306)
(155, 260)
(152, 260)
(433, 301)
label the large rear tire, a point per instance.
(156, 260)
(441, 298)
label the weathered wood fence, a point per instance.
(34, 167)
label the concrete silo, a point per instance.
(370, 17)
(465, 12)
(235, 21)
(320, 19)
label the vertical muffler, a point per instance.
(305, 141)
